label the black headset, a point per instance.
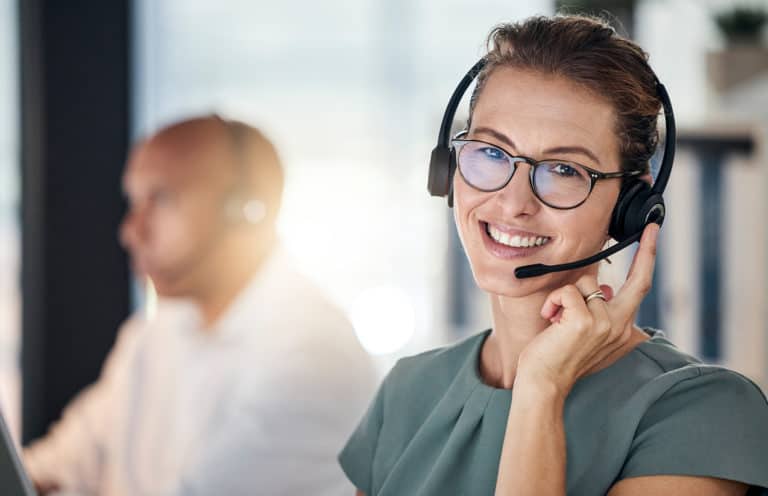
(638, 203)
(240, 205)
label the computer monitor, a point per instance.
(13, 477)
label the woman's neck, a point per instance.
(516, 321)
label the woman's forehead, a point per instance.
(539, 111)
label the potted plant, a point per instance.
(742, 25)
(744, 56)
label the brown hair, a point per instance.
(590, 53)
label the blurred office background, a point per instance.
(352, 94)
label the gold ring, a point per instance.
(595, 294)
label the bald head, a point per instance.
(180, 183)
(228, 155)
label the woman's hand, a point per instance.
(584, 334)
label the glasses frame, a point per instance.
(594, 175)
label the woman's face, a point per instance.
(537, 116)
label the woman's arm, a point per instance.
(581, 336)
(533, 456)
(535, 442)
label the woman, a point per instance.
(565, 394)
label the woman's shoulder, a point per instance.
(656, 370)
(697, 419)
(433, 372)
(443, 360)
(661, 354)
(658, 384)
(667, 370)
(659, 410)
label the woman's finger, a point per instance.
(640, 276)
(602, 331)
(587, 285)
(552, 309)
(562, 300)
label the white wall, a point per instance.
(678, 34)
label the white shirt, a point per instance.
(261, 405)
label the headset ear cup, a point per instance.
(621, 224)
(637, 206)
(240, 209)
(647, 207)
(451, 173)
(439, 183)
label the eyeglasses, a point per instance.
(556, 183)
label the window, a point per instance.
(10, 239)
(352, 93)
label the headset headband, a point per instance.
(659, 184)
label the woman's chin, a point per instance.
(508, 285)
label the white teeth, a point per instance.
(516, 241)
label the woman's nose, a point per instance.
(517, 197)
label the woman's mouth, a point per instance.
(505, 243)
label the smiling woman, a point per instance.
(549, 114)
(565, 394)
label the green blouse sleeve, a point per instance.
(714, 424)
(356, 458)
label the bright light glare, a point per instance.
(384, 319)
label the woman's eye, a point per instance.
(564, 170)
(492, 153)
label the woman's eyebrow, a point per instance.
(573, 149)
(558, 149)
(499, 136)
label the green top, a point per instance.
(434, 428)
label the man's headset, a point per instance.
(240, 205)
(638, 203)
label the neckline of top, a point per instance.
(655, 336)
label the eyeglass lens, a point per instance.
(558, 183)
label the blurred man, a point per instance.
(246, 380)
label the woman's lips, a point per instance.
(502, 250)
